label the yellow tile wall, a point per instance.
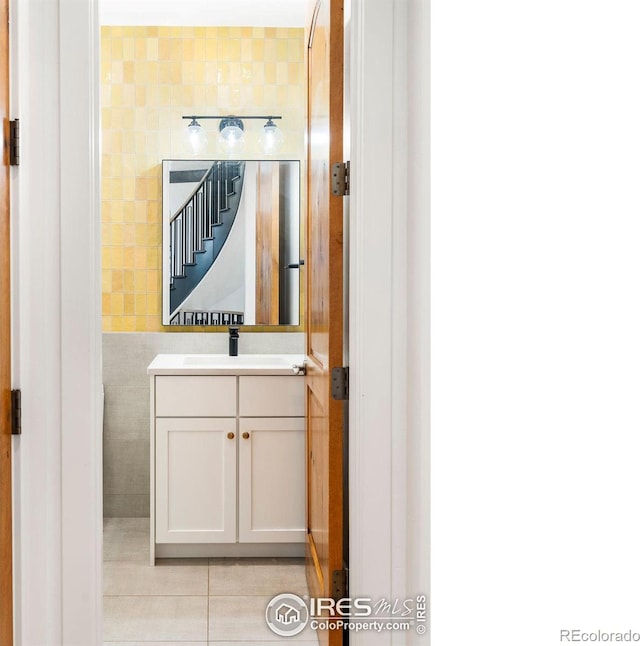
(150, 78)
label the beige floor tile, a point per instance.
(155, 618)
(166, 578)
(256, 577)
(238, 618)
(126, 539)
(166, 605)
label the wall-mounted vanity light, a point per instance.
(195, 137)
(270, 138)
(231, 133)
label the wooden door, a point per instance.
(324, 313)
(6, 590)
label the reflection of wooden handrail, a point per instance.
(193, 193)
(193, 222)
(201, 226)
(202, 181)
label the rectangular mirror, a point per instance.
(230, 242)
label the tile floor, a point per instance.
(189, 602)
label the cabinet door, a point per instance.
(271, 500)
(195, 480)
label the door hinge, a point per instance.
(340, 383)
(339, 584)
(340, 178)
(16, 412)
(14, 142)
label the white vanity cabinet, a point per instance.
(227, 463)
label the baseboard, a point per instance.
(197, 550)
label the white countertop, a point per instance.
(222, 364)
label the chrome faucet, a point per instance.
(234, 335)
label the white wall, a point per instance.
(220, 13)
(249, 197)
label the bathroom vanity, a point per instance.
(227, 456)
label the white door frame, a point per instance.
(388, 302)
(57, 345)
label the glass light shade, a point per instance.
(231, 136)
(270, 140)
(196, 138)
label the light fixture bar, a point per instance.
(229, 116)
(231, 132)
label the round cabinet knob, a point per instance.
(231, 435)
(245, 435)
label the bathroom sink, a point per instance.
(215, 364)
(244, 360)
